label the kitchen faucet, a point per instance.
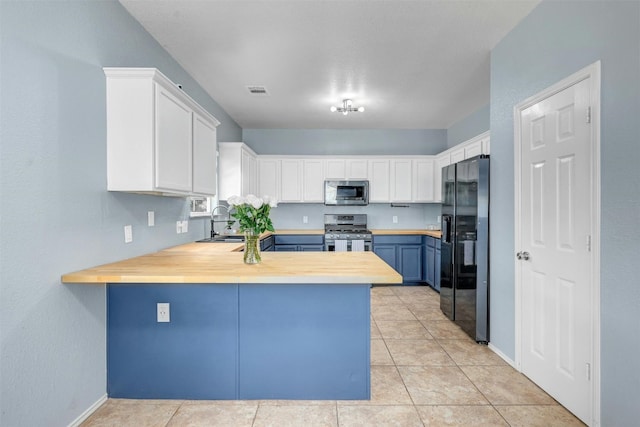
(213, 219)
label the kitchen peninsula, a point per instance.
(296, 326)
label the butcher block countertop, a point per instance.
(218, 263)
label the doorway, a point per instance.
(557, 173)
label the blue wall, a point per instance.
(472, 125)
(55, 214)
(346, 141)
(554, 41)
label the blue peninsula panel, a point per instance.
(304, 341)
(192, 357)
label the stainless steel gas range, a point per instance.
(344, 232)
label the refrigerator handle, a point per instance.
(446, 228)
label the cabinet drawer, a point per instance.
(300, 239)
(397, 239)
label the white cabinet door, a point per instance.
(291, 180)
(313, 181)
(423, 188)
(204, 156)
(473, 149)
(336, 169)
(248, 171)
(357, 169)
(379, 181)
(441, 161)
(173, 155)
(401, 176)
(269, 178)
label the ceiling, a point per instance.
(412, 64)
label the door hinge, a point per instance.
(588, 371)
(588, 115)
(589, 243)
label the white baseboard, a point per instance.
(90, 410)
(502, 355)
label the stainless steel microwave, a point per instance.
(354, 193)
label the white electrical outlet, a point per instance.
(128, 234)
(185, 226)
(438, 220)
(179, 227)
(164, 312)
(305, 219)
(395, 219)
(151, 218)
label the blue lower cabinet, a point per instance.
(436, 282)
(299, 243)
(429, 260)
(388, 253)
(266, 244)
(402, 252)
(410, 262)
(192, 357)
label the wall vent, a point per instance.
(258, 90)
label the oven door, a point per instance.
(330, 246)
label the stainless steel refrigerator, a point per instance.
(464, 273)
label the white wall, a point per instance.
(55, 213)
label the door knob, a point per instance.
(523, 255)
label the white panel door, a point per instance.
(379, 181)
(313, 181)
(173, 154)
(291, 180)
(269, 178)
(357, 169)
(336, 169)
(423, 180)
(204, 156)
(401, 180)
(555, 259)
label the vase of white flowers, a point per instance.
(252, 214)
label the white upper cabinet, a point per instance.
(313, 180)
(441, 161)
(379, 181)
(457, 155)
(237, 166)
(344, 169)
(336, 169)
(158, 139)
(423, 184)
(204, 156)
(473, 149)
(357, 169)
(401, 180)
(291, 180)
(269, 177)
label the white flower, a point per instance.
(254, 201)
(270, 200)
(235, 201)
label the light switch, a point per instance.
(305, 219)
(395, 219)
(151, 218)
(178, 227)
(185, 226)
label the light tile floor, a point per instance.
(424, 372)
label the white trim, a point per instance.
(90, 410)
(503, 356)
(593, 72)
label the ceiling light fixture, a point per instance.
(347, 107)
